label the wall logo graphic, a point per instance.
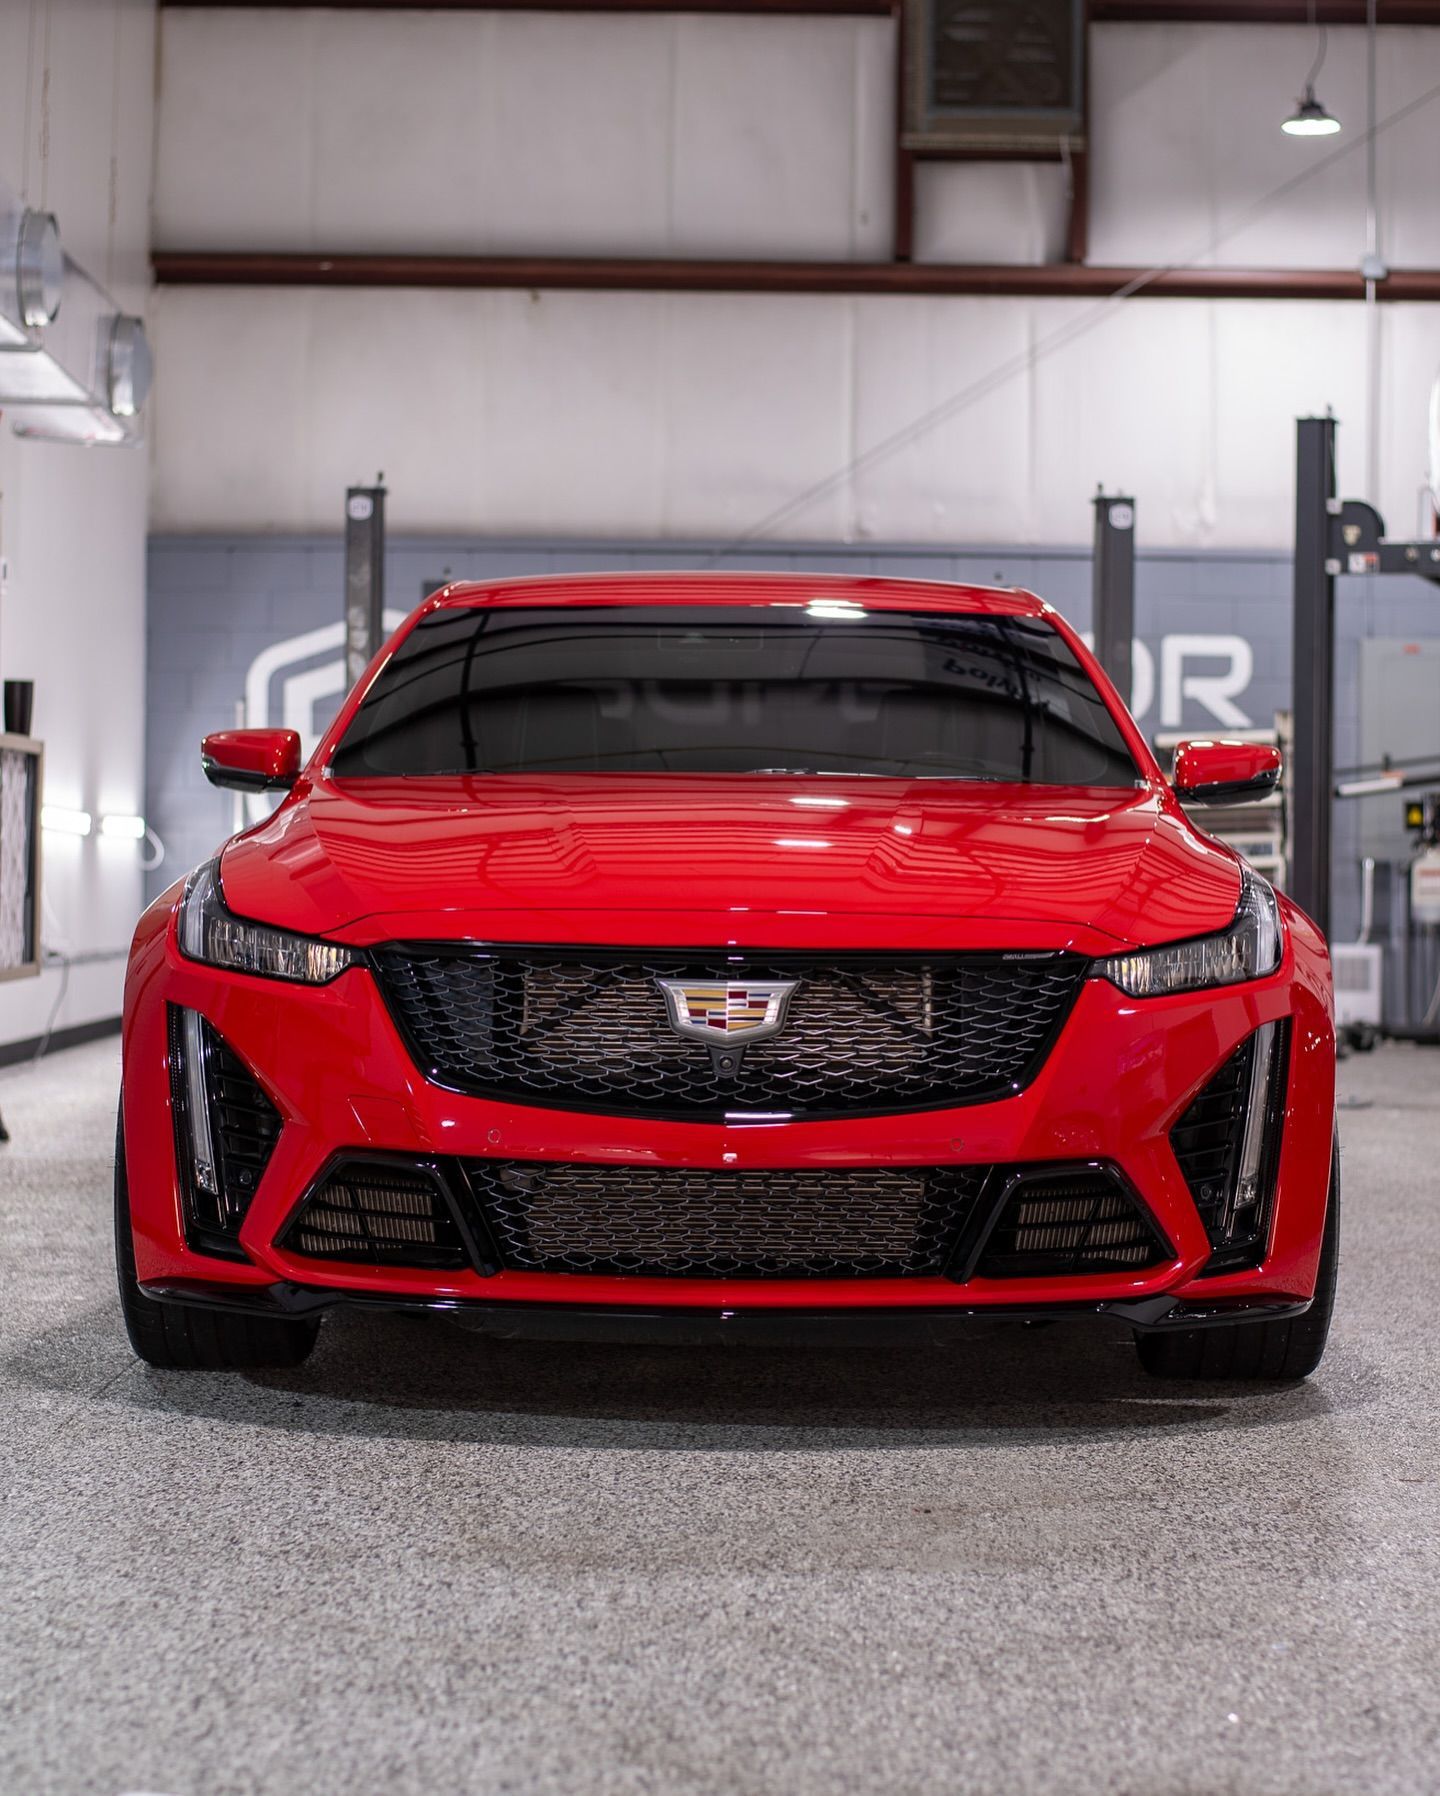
(297, 685)
(1209, 671)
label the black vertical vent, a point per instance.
(243, 1128)
(1209, 1144)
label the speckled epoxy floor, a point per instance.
(425, 1563)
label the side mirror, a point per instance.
(1219, 772)
(251, 760)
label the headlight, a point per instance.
(1248, 949)
(209, 933)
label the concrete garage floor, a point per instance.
(424, 1563)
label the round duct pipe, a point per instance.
(39, 269)
(131, 367)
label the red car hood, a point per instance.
(758, 862)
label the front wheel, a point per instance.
(183, 1337)
(1279, 1351)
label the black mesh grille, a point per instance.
(246, 1124)
(244, 1127)
(695, 1223)
(381, 1214)
(1207, 1144)
(1069, 1220)
(860, 1035)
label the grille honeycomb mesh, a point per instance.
(697, 1223)
(860, 1037)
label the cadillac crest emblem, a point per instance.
(728, 1016)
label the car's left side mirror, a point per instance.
(1218, 772)
(251, 760)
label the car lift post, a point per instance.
(1332, 536)
(1112, 592)
(1313, 670)
(364, 577)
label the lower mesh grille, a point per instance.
(1067, 1221)
(681, 1222)
(380, 1214)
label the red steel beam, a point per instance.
(1262, 12)
(808, 8)
(1245, 12)
(1067, 280)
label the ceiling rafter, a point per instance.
(1174, 12)
(213, 268)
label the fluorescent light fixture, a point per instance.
(129, 829)
(799, 842)
(63, 822)
(1310, 119)
(823, 804)
(1381, 782)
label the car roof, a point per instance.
(707, 588)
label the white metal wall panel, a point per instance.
(515, 133)
(968, 479)
(76, 109)
(694, 415)
(991, 211)
(1186, 138)
(1409, 369)
(757, 404)
(1408, 153)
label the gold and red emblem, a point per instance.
(715, 1011)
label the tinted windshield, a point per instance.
(735, 689)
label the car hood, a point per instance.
(766, 861)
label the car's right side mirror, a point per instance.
(251, 760)
(1214, 771)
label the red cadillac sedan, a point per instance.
(707, 957)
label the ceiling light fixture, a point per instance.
(1310, 118)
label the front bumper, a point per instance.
(331, 1061)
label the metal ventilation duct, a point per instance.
(73, 367)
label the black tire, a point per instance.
(1279, 1351)
(183, 1337)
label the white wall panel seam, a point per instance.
(707, 412)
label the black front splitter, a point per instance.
(709, 1327)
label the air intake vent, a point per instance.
(1227, 1145)
(381, 1214)
(225, 1132)
(1075, 1219)
(692, 1222)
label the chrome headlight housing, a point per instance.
(1248, 949)
(208, 932)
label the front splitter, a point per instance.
(712, 1327)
